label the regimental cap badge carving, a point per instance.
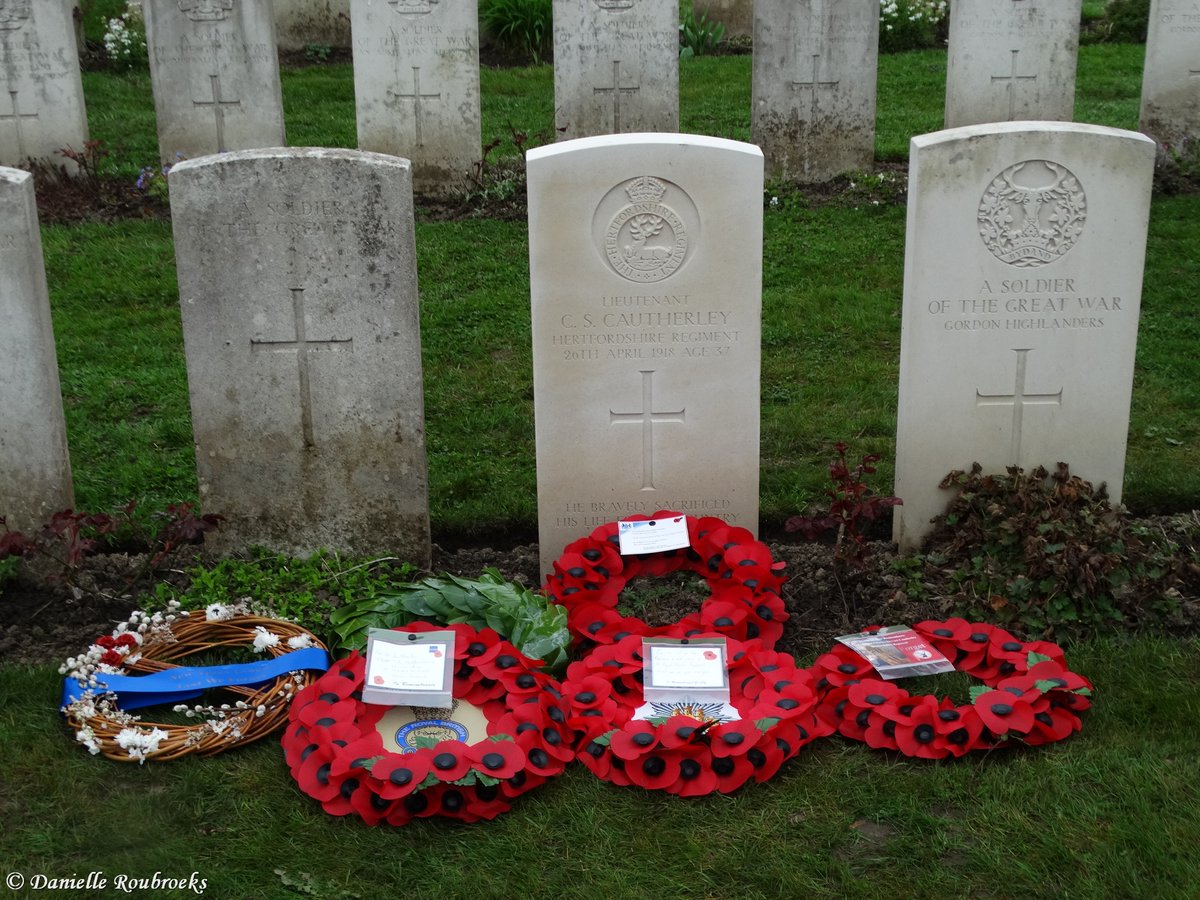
(14, 14)
(615, 4)
(413, 7)
(1032, 213)
(646, 241)
(206, 10)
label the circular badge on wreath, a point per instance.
(1027, 695)
(506, 734)
(690, 749)
(743, 579)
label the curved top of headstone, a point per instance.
(290, 153)
(1040, 127)
(637, 139)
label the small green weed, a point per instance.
(317, 52)
(520, 27)
(698, 36)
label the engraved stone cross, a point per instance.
(617, 90)
(218, 104)
(813, 85)
(303, 346)
(647, 417)
(1009, 80)
(1018, 400)
(16, 116)
(416, 97)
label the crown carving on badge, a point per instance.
(645, 190)
(206, 10)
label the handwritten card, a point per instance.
(677, 666)
(409, 668)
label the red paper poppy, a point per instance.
(734, 738)
(731, 772)
(497, 759)
(1002, 712)
(655, 770)
(696, 776)
(635, 739)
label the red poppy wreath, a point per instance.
(743, 579)
(689, 749)
(1028, 695)
(394, 764)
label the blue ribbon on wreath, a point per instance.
(188, 682)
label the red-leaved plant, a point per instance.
(853, 506)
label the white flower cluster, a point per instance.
(138, 743)
(125, 37)
(918, 12)
(220, 612)
(264, 639)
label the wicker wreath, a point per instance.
(1027, 695)
(335, 749)
(688, 750)
(155, 643)
(743, 579)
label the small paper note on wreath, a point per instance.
(653, 535)
(683, 674)
(898, 652)
(409, 668)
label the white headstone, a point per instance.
(416, 86)
(1011, 60)
(645, 256)
(41, 92)
(1171, 77)
(298, 287)
(301, 24)
(215, 73)
(1022, 286)
(35, 470)
(814, 86)
(616, 67)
